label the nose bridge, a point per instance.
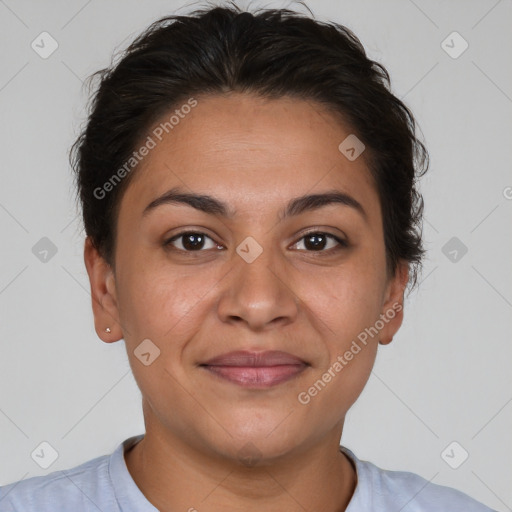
(257, 291)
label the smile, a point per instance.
(256, 370)
(257, 377)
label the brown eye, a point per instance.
(320, 242)
(191, 241)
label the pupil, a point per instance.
(315, 242)
(193, 241)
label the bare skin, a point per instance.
(309, 300)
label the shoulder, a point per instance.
(384, 490)
(81, 488)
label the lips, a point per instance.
(256, 369)
(246, 358)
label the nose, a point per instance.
(258, 294)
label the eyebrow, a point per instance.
(296, 206)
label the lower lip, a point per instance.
(257, 377)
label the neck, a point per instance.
(174, 476)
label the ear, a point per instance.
(392, 313)
(103, 294)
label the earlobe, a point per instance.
(103, 294)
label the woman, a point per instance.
(248, 185)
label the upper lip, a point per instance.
(255, 359)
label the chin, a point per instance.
(260, 441)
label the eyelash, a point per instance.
(342, 244)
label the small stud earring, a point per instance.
(107, 329)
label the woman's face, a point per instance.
(254, 280)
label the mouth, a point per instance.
(256, 369)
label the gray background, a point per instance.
(446, 377)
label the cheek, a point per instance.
(167, 307)
(343, 304)
(157, 300)
(333, 389)
(345, 300)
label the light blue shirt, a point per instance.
(104, 484)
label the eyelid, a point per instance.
(341, 240)
(325, 231)
(168, 241)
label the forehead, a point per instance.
(243, 148)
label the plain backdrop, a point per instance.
(445, 378)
